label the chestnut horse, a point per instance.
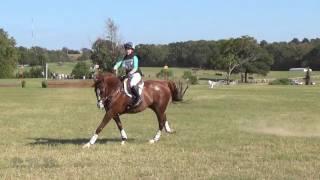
(156, 95)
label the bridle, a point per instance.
(105, 101)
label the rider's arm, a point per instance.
(117, 65)
(135, 65)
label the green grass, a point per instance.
(65, 68)
(230, 132)
(30, 82)
(289, 74)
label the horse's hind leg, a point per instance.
(161, 120)
(122, 132)
(166, 125)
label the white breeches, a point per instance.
(136, 78)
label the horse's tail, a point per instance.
(174, 91)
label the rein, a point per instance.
(106, 100)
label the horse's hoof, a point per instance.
(87, 145)
(171, 132)
(123, 143)
(152, 141)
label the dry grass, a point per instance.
(222, 133)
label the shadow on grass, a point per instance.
(75, 141)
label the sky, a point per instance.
(77, 24)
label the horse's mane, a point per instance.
(106, 77)
(101, 76)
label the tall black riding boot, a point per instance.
(136, 100)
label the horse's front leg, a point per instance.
(100, 104)
(123, 134)
(103, 123)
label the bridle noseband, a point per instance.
(105, 101)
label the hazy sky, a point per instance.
(77, 24)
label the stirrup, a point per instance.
(131, 105)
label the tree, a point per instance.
(261, 66)
(85, 54)
(237, 52)
(106, 51)
(24, 57)
(152, 55)
(263, 43)
(312, 58)
(305, 40)
(213, 56)
(101, 55)
(288, 55)
(229, 63)
(81, 69)
(8, 55)
(295, 41)
(113, 36)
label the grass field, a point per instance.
(230, 132)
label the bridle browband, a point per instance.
(105, 101)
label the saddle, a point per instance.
(128, 92)
(127, 89)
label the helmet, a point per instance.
(128, 45)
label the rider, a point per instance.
(130, 64)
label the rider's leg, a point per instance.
(136, 77)
(136, 97)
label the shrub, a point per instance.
(187, 75)
(23, 83)
(36, 72)
(81, 69)
(282, 81)
(44, 84)
(163, 72)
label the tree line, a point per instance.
(207, 54)
(36, 55)
(236, 55)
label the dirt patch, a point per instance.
(70, 83)
(279, 130)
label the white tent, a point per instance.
(299, 69)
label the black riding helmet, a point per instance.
(128, 45)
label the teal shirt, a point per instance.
(128, 64)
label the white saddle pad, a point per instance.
(140, 85)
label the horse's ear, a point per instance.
(97, 77)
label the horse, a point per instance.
(156, 95)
